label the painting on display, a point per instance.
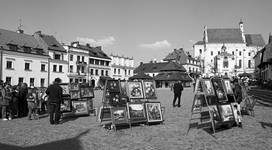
(80, 107)
(219, 90)
(119, 115)
(123, 88)
(74, 94)
(208, 87)
(149, 89)
(65, 88)
(236, 112)
(113, 86)
(136, 112)
(66, 106)
(74, 87)
(104, 113)
(135, 89)
(153, 112)
(228, 86)
(86, 92)
(226, 112)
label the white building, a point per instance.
(242, 46)
(121, 67)
(87, 64)
(23, 59)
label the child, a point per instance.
(32, 103)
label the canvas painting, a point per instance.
(149, 89)
(136, 112)
(219, 90)
(65, 88)
(123, 88)
(66, 106)
(236, 112)
(208, 87)
(119, 115)
(226, 112)
(104, 113)
(135, 89)
(228, 87)
(75, 94)
(86, 92)
(80, 107)
(74, 87)
(153, 112)
(113, 86)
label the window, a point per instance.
(125, 71)
(21, 80)
(82, 69)
(97, 62)
(128, 72)
(200, 51)
(60, 68)
(249, 54)
(107, 73)
(232, 52)
(211, 54)
(31, 81)
(78, 58)
(118, 71)
(13, 47)
(240, 63)
(9, 65)
(240, 53)
(114, 70)
(71, 68)
(78, 69)
(71, 80)
(42, 82)
(42, 67)
(84, 80)
(82, 58)
(27, 49)
(102, 72)
(54, 68)
(8, 80)
(57, 56)
(76, 80)
(211, 60)
(27, 66)
(249, 64)
(225, 62)
(102, 62)
(91, 61)
(189, 69)
(218, 52)
(71, 57)
(107, 63)
(92, 72)
(96, 72)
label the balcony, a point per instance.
(81, 63)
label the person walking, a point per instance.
(178, 88)
(54, 93)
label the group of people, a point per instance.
(23, 101)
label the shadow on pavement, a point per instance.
(72, 143)
(266, 124)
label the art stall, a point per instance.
(214, 103)
(78, 99)
(130, 102)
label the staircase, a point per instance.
(264, 97)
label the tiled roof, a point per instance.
(94, 51)
(177, 54)
(173, 76)
(267, 53)
(52, 43)
(224, 36)
(254, 40)
(172, 66)
(199, 43)
(140, 76)
(21, 40)
(150, 67)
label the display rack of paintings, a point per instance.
(149, 89)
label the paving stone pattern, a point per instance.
(85, 133)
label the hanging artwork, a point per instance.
(149, 89)
(135, 89)
(219, 90)
(123, 88)
(86, 92)
(236, 112)
(65, 88)
(75, 94)
(226, 112)
(208, 87)
(66, 106)
(74, 87)
(113, 86)
(119, 115)
(80, 107)
(228, 86)
(153, 112)
(136, 112)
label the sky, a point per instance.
(142, 29)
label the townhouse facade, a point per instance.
(121, 67)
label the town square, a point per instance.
(151, 75)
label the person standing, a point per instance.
(3, 102)
(178, 88)
(54, 93)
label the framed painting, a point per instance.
(119, 115)
(236, 112)
(74, 94)
(228, 86)
(65, 88)
(136, 112)
(74, 87)
(150, 89)
(123, 88)
(66, 106)
(219, 90)
(153, 112)
(86, 92)
(80, 107)
(208, 88)
(135, 89)
(113, 85)
(104, 113)
(226, 112)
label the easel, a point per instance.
(198, 106)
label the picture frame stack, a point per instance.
(133, 102)
(78, 99)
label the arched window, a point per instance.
(225, 62)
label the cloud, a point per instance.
(97, 42)
(157, 45)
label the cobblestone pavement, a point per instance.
(85, 133)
